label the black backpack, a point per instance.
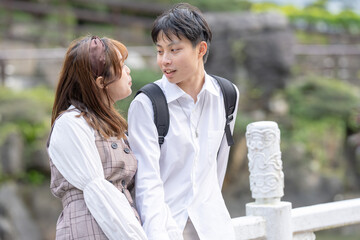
(161, 111)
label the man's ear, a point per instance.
(100, 82)
(202, 48)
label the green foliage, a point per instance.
(354, 119)
(7, 129)
(311, 38)
(3, 21)
(322, 139)
(22, 16)
(34, 177)
(211, 5)
(315, 98)
(315, 15)
(321, 110)
(140, 77)
(27, 112)
(29, 105)
(224, 5)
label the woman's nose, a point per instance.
(127, 69)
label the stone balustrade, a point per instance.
(270, 218)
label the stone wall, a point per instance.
(253, 46)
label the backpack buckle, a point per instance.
(229, 119)
(161, 139)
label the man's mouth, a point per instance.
(169, 71)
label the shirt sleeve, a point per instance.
(224, 150)
(73, 151)
(158, 222)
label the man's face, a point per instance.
(178, 59)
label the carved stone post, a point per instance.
(267, 180)
(265, 165)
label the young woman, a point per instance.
(92, 166)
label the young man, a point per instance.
(178, 185)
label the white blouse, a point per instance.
(73, 151)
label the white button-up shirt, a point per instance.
(183, 178)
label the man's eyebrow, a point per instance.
(170, 44)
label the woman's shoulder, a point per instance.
(70, 125)
(70, 115)
(72, 119)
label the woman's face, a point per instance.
(121, 88)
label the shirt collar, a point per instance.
(173, 91)
(209, 85)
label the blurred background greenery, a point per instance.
(301, 72)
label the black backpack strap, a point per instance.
(230, 97)
(161, 111)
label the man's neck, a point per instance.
(194, 85)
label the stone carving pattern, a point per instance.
(265, 164)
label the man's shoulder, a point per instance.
(141, 100)
(140, 95)
(215, 79)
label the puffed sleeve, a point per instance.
(73, 151)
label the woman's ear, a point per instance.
(100, 82)
(202, 48)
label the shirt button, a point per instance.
(114, 145)
(126, 150)
(123, 183)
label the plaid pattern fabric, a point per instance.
(76, 221)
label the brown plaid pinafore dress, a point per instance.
(76, 221)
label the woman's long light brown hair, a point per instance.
(77, 86)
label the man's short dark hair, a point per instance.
(185, 20)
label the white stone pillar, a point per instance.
(267, 180)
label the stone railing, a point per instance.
(270, 218)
